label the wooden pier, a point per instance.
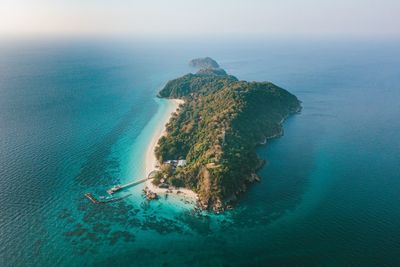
(117, 188)
(94, 200)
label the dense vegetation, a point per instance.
(217, 129)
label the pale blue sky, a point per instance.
(209, 17)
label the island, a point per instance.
(209, 145)
(205, 62)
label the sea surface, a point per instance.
(76, 116)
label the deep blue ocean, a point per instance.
(76, 116)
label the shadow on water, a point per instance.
(285, 177)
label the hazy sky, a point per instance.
(212, 17)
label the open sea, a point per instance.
(77, 116)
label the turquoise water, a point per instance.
(77, 116)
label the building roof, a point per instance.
(181, 162)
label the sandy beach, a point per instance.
(151, 161)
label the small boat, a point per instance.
(114, 189)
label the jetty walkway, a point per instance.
(96, 201)
(117, 188)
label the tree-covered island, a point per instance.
(205, 62)
(216, 131)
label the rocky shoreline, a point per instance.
(150, 195)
